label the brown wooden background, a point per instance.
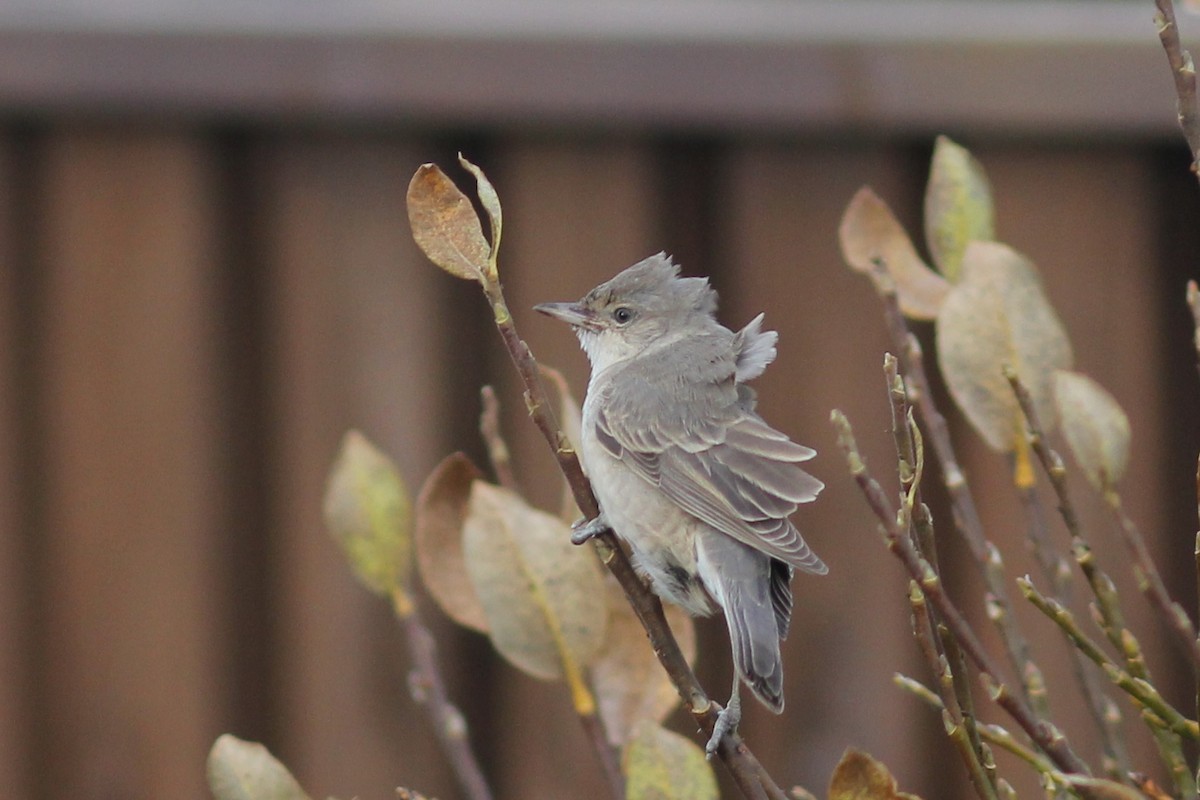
(206, 277)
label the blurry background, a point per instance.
(207, 276)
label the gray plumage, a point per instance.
(685, 470)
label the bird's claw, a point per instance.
(586, 529)
(727, 722)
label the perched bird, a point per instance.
(685, 471)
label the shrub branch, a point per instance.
(1183, 71)
(1042, 732)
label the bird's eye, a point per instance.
(622, 314)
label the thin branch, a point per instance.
(1058, 574)
(429, 691)
(1043, 733)
(749, 775)
(1142, 692)
(497, 449)
(992, 734)
(499, 456)
(1107, 609)
(1151, 583)
(966, 516)
(1183, 71)
(946, 662)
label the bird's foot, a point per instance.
(727, 722)
(588, 528)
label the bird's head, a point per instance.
(645, 305)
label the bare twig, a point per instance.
(966, 516)
(936, 642)
(429, 691)
(1043, 733)
(749, 775)
(1151, 581)
(1058, 574)
(1183, 71)
(497, 449)
(992, 734)
(1143, 692)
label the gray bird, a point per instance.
(685, 471)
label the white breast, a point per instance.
(661, 536)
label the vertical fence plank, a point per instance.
(1085, 216)
(359, 339)
(575, 214)
(130, 579)
(851, 629)
(15, 687)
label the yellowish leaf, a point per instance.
(1095, 427)
(491, 205)
(998, 315)
(445, 225)
(367, 512)
(661, 765)
(240, 770)
(441, 512)
(869, 232)
(630, 683)
(958, 206)
(543, 596)
(860, 777)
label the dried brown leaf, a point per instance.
(441, 512)
(367, 512)
(543, 596)
(870, 232)
(491, 205)
(958, 206)
(240, 770)
(998, 315)
(661, 765)
(858, 776)
(1095, 427)
(630, 683)
(445, 225)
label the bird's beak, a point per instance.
(576, 315)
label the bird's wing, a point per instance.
(686, 432)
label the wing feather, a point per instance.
(691, 436)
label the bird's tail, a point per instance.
(740, 579)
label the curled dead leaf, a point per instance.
(869, 232)
(441, 512)
(491, 206)
(367, 512)
(998, 315)
(543, 596)
(858, 776)
(662, 765)
(630, 683)
(958, 206)
(1095, 427)
(445, 225)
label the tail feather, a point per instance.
(741, 580)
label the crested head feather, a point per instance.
(655, 283)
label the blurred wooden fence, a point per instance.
(195, 305)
